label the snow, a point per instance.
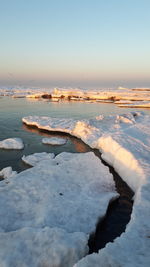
(35, 158)
(135, 104)
(41, 247)
(124, 141)
(50, 124)
(54, 141)
(44, 210)
(12, 143)
(62, 192)
(7, 172)
(102, 94)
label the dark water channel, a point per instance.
(117, 216)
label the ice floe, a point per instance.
(35, 158)
(124, 141)
(48, 211)
(62, 192)
(54, 141)
(7, 172)
(12, 143)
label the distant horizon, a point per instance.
(74, 86)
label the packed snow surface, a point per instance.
(12, 143)
(54, 141)
(124, 141)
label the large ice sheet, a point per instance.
(41, 247)
(12, 143)
(62, 192)
(124, 142)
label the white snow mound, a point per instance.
(7, 172)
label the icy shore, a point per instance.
(124, 142)
(138, 97)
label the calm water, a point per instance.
(12, 110)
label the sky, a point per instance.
(75, 43)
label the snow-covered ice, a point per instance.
(35, 158)
(124, 141)
(41, 247)
(12, 143)
(7, 172)
(54, 141)
(62, 192)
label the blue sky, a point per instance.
(86, 43)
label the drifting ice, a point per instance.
(12, 143)
(54, 141)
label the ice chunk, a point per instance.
(7, 172)
(42, 247)
(12, 143)
(35, 158)
(54, 141)
(63, 192)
